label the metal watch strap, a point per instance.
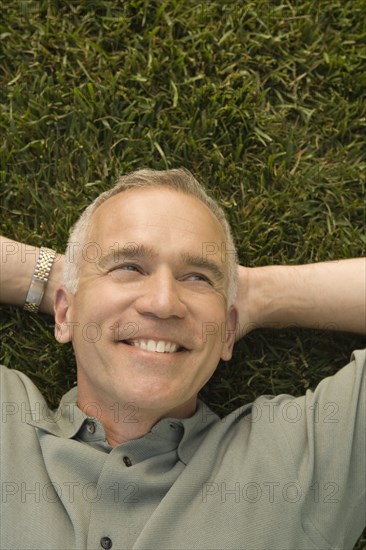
(39, 279)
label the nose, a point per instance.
(161, 297)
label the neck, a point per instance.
(125, 421)
(125, 430)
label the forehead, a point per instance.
(156, 213)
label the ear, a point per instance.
(62, 308)
(228, 333)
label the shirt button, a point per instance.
(127, 461)
(90, 426)
(106, 543)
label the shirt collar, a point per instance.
(65, 421)
(185, 434)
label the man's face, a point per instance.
(149, 321)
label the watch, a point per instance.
(39, 279)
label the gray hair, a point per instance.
(179, 179)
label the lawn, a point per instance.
(263, 101)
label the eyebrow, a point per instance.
(131, 251)
(203, 263)
(134, 251)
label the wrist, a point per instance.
(250, 299)
(54, 282)
(258, 296)
(269, 293)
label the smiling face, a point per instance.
(149, 321)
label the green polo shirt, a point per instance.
(281, 473)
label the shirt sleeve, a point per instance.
(325, 433)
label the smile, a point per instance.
(159, 346)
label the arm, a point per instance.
(326, 295)
(17, 263)
(329, 295)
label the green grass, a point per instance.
(264, 101)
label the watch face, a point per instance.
(35, 292)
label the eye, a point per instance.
(199, 277)
(127, 267)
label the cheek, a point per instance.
(213, 328)
(95, 303)
(104, 321)
(87, 322)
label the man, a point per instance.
(131, 459)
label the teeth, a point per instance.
(161, 347)
(151, 345)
